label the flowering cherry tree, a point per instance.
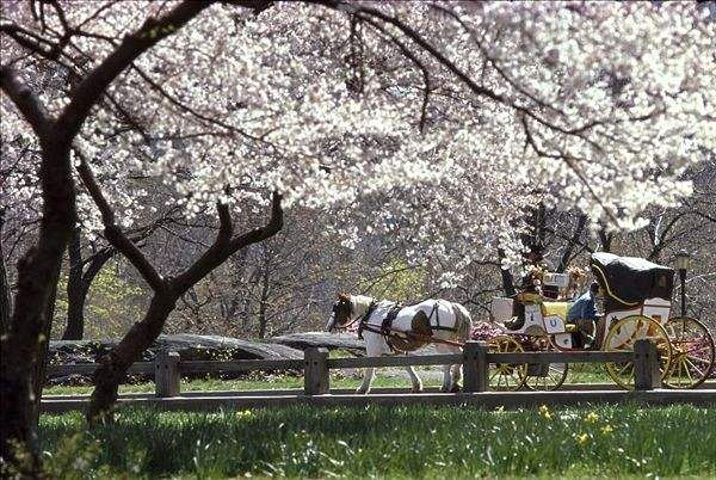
(436, 124)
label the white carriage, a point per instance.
(637, 305)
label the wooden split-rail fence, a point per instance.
(168, 367)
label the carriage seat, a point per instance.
(559, 309)
(528, 297)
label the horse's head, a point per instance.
(342, 312)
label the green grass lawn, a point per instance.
(578, 374)
(378, 442)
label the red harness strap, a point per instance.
(413, 335)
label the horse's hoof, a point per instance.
(361, 391)
(444, 389)
(457, 388)
(417, 389)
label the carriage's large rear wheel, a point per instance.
(506, 376)
(549, 376)
(693, 357)
(622, 337)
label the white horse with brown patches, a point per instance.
(390, 329)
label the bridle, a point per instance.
(358, 320)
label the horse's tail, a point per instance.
(463, 322)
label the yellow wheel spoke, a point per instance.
(691, 364)
(626, 366)
(698, 359)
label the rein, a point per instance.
(360, 320)
(413, 335)
(386, 329)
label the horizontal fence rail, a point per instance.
(138, 368)
(475, 359)
(236, 366)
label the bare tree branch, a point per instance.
(93, 86)
(114, 233)
(224, 246)
(26, 101)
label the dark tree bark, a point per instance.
(5, 291)
(508, 283)
(115, 365)
(605, 240)
(38, 381)
(264, 300)
(75, 298)
(79, 282)
(38, 272)
(572, 244)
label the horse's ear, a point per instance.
(343, 296)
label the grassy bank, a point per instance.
(406, 442)
(584, 373)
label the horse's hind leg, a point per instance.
(417, 384)
(447, 380)
(452, 374)
(367, 380)
(456, 378)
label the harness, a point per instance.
(387, 326)
(400, 341)
(362, 321)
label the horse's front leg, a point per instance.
(373, 348)
(417, 383)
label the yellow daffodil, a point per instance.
(591, 417)
(607, 429)
(544, 412)
(582, 438)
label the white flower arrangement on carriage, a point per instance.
(637, 305)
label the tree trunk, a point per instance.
(508, 284)
(38, 272)
(75, 292)
(5, 291)
(78, 287)
(605, 240)
(41, 366)
(115, 365)
(573, 242)
(263, 303)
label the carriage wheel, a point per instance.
(506, 376)
(622, 337)
(545, 377)
(693, 357)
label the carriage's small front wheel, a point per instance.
(693, 357)
(621, 338)
(545, 376)
(506, 376)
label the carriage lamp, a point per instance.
(683, 263)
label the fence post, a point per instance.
(474, 366)
(647, 375)
(315, 373)
(166, 374)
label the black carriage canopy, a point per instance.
(628, 281)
